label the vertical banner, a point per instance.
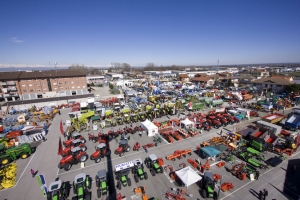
(42, 183)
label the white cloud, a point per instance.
(16, 40)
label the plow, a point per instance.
(179, 154)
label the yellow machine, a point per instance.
(9, 174)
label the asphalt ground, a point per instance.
(45, 160)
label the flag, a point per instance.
(60, 148)
(42, 183)
(62, 128)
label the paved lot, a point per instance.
(45, 160)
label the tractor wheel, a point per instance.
(136, 178)
(215, 195)
(152, 172)
(75, 198)
(88, 196)
(97, 181)
(161, 169)
(83, 141)
(119, 186)
(204, 194)
(97, 160)
(24, 155)
(89, 181)
(129, 182)
(5, 161)
(145, 175)
(108, 152)
(84, 148)
(67, 166)
(128, 148)
(99, 192)
(83, 158)
(121, 154)
(91, 157)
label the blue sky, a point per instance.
(165, 32)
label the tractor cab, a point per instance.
(76, 142)
(75, 136)
(100, 147)
(101, 182)
(123, 143)
(117, 107)
(81, 186)
(75, 150)
(208, 186)
(138, 170)
(57, 190)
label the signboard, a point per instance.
(125, 165)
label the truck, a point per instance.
(293, 122)
(10, 154)
(194, 106)
(273, 118)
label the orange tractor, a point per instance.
(123, 147)
(101, 151)
(141, 191)
(76, 156)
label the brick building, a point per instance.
(41, 84)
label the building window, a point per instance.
(45, 89)
(31, 90)
(59, 83)
(83, 86)
(83, 81)
(54, 84)
(30, 85)
(44, 84)
(72, 82)
(77, 81)
(38, 90)
(23, 85)
(24, 90)
(73, 87)
(78, 86)
(38, 84)
(66, 82)
(67, 87)
(29, 80)
(61, 88)
(54, 88)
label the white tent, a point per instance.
(186, 122)
(150, 127)
(188, 176)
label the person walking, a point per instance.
(146, 149)
(256, 175)
(260, 195)
(221, 132)
(58, 111)
(201, 131)
(140, 133)
(265, 194)
(32, 172)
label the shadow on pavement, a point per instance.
(253, 192)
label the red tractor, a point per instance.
(101, 151)
(123, 147)
(136, 146)
(137, 128)
(75, 143)
(128, 130)
(76, 156)
(229, 118)
(74, 136)
(214, 122)
(95, 138)
(112, 133)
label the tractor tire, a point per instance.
(84, 148)
(91, 157)
(129, 182)
(94, 140)
(83, 141)
(121, 154)
(89, 179)
(119, 186)
(215, 195)
(128, 148)
(108, 152)
(136, 178)
(97, 181)
(161, 169)
(152, 172)
(24, 155)
(99, 193)
(204, 194)
(75, 198)
(97, 160)
(67, 166)
(145, 175)
(5, 161)
(83, 158)
(88, 196)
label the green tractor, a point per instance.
(122, 171)
(208, 186)
(152, 164)
(108, 114)
(142, 116)
(102, 183)
(82, 186)
(138, 170)
(150, 115)
(58, 190)
(126, 118)
(119, 120)
(134, 118)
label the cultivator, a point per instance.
(193, 163)
(179, 154)
(217, 140)
(226, 186)
(149, 145)
(184, 133)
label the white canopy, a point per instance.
(186, 122)
(188, 176)
(150, 127)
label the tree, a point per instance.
(230, 83)
(293, 88)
